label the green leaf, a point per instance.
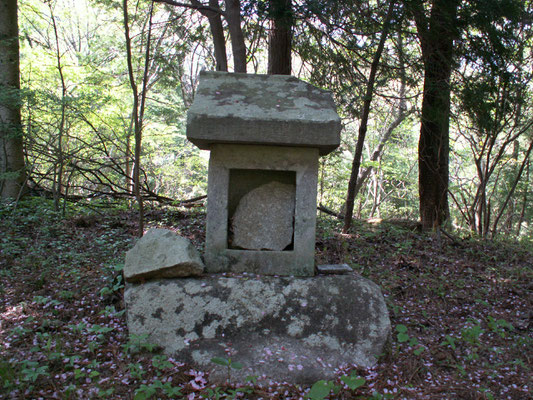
(403, 337)
(353, 382)
(401, 328)
(236, 365)
(220, 361)
(319, 390)
(144, 392)
(419, 351)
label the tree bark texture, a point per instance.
(219, 42)
(280, 37)
(436, 38)
(137, 123)
(12, 171)
(233, 16)
(350, 196)
(217, 32)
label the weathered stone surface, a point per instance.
(161, 253)
(264, 218)
(288, 329)
(303, 162)
(276, 110)
(334, 269)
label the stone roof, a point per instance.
(276, 110)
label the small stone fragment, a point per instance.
(264, 218)
(334, 269)
(161, 253)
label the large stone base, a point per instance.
(297, 330)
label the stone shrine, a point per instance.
(260, 302)
(265, 134)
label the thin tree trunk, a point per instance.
(510, 194)
(138, 110)
(524, 202)
(378, 151)
(128, 172)
(58, 186)
(280, 37)
(217, 32)
(233, 16)
(400, 117)
(12, 169)
(364, 120)
(376, 200)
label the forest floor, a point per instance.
(460, 307)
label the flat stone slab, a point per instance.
(276, 110)
(161, 253)
(264, 218)
(297, 330)
(334, 269)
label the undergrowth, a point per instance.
(460, 308)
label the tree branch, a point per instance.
(200, 7)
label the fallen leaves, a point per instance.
(461, 315)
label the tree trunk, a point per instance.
(128, 170)
(433, 147)
(513, 187)
(280, 37)
(58, 186)
(12, 171)
(137, 123)
(219, 43)
(524, 202)
(400, 117)
(350, 196)
(217, 32)
(233, 16)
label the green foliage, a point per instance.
(138, 343)
(471, 334)
(353, 382)
(321, 389)
(144, 392)
(499, 326)
(161, 363)
(147, 391)
(215, 393)
(46, 301)
(449, 341)
(7, 374)
(85, 130)
(104, 394)
(136, 371)
(114, 286)
(226, 362)
(86, 133)
(31, 371)
(99, 331)
(403, 337)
